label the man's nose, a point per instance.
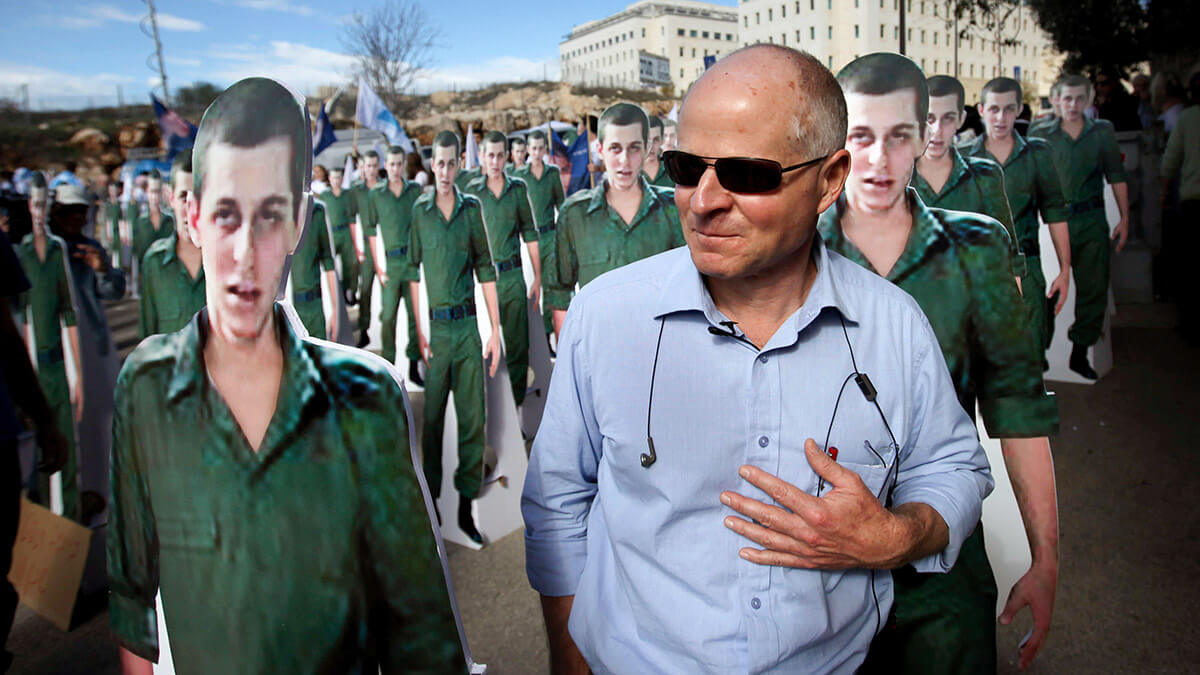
(877, 153)
(243, 246)
(709, 195)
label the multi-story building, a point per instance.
(838, 31)
(611, 51)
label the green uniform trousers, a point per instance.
(366, 288)
(312, 315)
(53, 380)
(456, 364)
(388, 311)
(344, 251)
(941, 623)
(1089, 261)
(514, 324)
(1033, 295)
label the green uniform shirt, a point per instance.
(507, 218)
(449, 250)
(977, 186)
(661, 179)
(112, 212)
(313, 256)
(170, 296)
(144, 233)
(362, 204)
(591, 238)
(289, 560)
(393, 222)
(1031, 183)
(955, 265)
(1083, 163)
(49, 294)
(1181, 159)
(340, 211)
(466, 176)
(545, 194)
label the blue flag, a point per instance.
(578, 155)
(177, 133)
(323, 138)
(373, 114)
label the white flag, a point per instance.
(373, 114)
(472, 149)
(348, 173)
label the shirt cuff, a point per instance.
(1056, 214)
(68, 318)
(1118, 176)
(554, 567)
(558, 298)
(531, 235)
(135, 625)
(961, 520)
(412, 273)
(485, 274)
(1020, 416)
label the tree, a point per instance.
(393, 44)
(197, 96)
(1096, 34)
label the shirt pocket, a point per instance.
(594, 260)
(876, 472)
(190, 532)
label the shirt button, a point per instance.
(763, 441)
(756, 603)
(762, 358)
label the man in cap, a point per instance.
(1085, 153)
(957, 266)
(238, 442)
(392, 203)
(643, 536)
(172, 275)
(621, 220)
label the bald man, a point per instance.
(731, 354)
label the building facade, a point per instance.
(838, 31)
(612, 52)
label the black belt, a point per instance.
(306, 296)
(453, 313)
(510, 264)
(50, 356)
(339, 228)
(546, 229)
(396, 252)
(1086, 206)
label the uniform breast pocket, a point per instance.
(593, 261)
(192, 532)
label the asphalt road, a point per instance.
(1129, 496)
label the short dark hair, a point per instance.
(517, 140)
(496, 137)
(447, 139)
(336, 168)
(396, 150)
(656, 122)
(249, 113)
(537, 135)
(944, 85)
(622, 114)
(1001, 85)
(884, 72)
(1074, 80)
(371, 153)
(153, 174)
(181, 164)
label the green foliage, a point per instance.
(196, 97)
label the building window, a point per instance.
(771, 39)
(757, 19)
(783, 38)
(797, 37)
(830, 66)
(680, 32)
(681, 51)
(831, 32)
(881, 28)
(910, 35)
(681, 72)
(922, 36)
(855, 30)
(922, 64)
(812, 32)
(729, 37)
(693, 33)
(745, 23)
(704, 34)
(770, 14)
(935, 38)
(693, 52)
(972, 70)
(783, 11)
(643, 32)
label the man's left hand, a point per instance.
(1035, 590)
(1060, 285)
(491, 351)
(846, 528)
(1121, 233)
(91, 256)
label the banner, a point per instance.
(323, 137)
(178, 134)
(373, 114)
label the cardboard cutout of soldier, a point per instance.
(518, 154)
(339, 214)
(509, 221)
(47, 307)
(621, 220)
(957, 266)
(392, 203)
(149, 221)
(1085, 153)
(448, 239)
(313, 274)
(546, 196)
(263, 481)
(172, 274)
(653, 168)
(367, 221)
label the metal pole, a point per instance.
(162, 70)
(956, 42)
(903, 32)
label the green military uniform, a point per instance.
(170, 296)
(450, 249)
(1083, 163)
(508, 220)
(49, 301)
(367, 219)
(661, 179)
(226, 533)
(975, 185)
(393, 220)
(112, 213)
(340, 211)
(545, 195)
(1032, 187)
(312, 258)
(956, 266)
(592, 239)
(143, 230)
(466, 176)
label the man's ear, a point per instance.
(193, 216)
(834, 172)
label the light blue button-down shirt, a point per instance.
(656, 576)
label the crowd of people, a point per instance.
(851, 233)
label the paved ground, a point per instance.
(1129, 496)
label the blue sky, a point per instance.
(75, 52)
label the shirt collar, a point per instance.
(431, 204)
(684, 291)
(958, 171)
(927, 232)
(171, 255)
(978, 148)
(482, 182)
(599, 198)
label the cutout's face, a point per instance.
(1000, 113)
(335, 179)
(114, 193)
(179, 197)
(537, 149)
(623, 151)
(38, 209)
(154, 191)
(519, 154)
(395, 166)
(670, 137)
(370, 167)
(656, 142)
(245, 226)
(1074, 100)
(493, 159)
(884, 140)
(445, 168)
(943, 120)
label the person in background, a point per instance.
(320, 181)
(361, 190)
(546, 196)
(518, 153)
(1115, 104)
(339, 213)
(1146, 110)
(173, 287)
(653, 167)
(392, 203)
(1181, 167)
(670, 134)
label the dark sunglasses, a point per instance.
(747, 175)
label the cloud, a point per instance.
(276, 6)
(302, 67)
(501, 69)
(180, 61)
(50, 88)
(97, 15)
